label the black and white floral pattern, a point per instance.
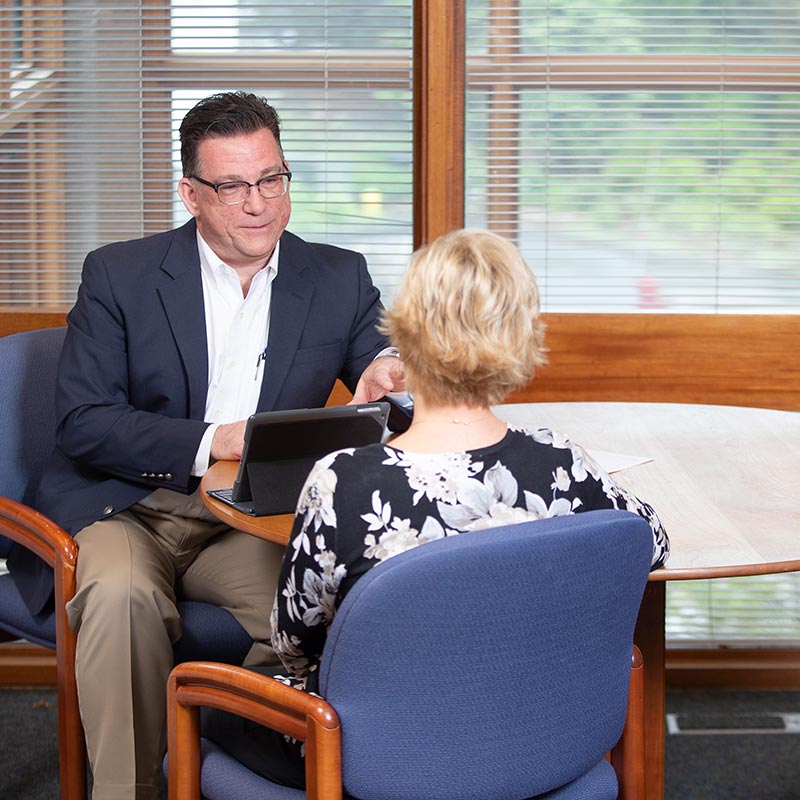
(362, 506)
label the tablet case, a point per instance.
(281, 447)
(401, 411)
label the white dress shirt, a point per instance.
(237, 329)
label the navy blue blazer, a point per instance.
(133, 374)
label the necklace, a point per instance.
(452, 421)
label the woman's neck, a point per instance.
(440, 428)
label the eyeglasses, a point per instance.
(234, 192)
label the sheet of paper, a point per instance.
(614, 462)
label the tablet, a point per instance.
(281, 447)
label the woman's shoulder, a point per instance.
(340, 480)
(539, 438)
(544, 447)
(350, 460)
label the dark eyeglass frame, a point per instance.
(261, 182)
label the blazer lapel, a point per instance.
(291, 300)
(182, 297)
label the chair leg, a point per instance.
(72, 748)
(72, 743)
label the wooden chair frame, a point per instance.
(56, 547)
(197, 684)
(628, 755)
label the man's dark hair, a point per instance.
(224, 114)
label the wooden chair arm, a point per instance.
(262, 699)
(627, 756)
(38, 533)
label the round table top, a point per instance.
(724, 480)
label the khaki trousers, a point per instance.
(130, 568)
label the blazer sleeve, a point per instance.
(365, 340)
(151, 442)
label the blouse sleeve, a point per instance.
(601, 490)
(309, 578)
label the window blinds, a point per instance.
(644, 155)
(763, 609)
(92, 94)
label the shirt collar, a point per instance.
(210, 262)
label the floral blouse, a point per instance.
(361, 506)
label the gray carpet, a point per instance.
(28, 745)
(729, 745)
(723, 762)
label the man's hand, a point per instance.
(228, 442)
(383, 375)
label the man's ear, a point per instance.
(188, 194)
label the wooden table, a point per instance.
(724, 480)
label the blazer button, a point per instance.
(168, 476)
(160, 476)
(108, 510)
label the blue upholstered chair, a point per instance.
(488, 666)
(28, 364)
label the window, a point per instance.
(741, 611)
(88, 124)
(644, 155)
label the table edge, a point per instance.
(730, 571)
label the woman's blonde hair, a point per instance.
(466, 319)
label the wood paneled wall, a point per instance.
(12, 321)
(719, 359)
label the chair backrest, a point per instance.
(493, 664)
(28, 364)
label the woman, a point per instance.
(466, 320)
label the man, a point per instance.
(173, 342)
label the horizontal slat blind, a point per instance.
(92, 94)
(644, 155)
(761, 609)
